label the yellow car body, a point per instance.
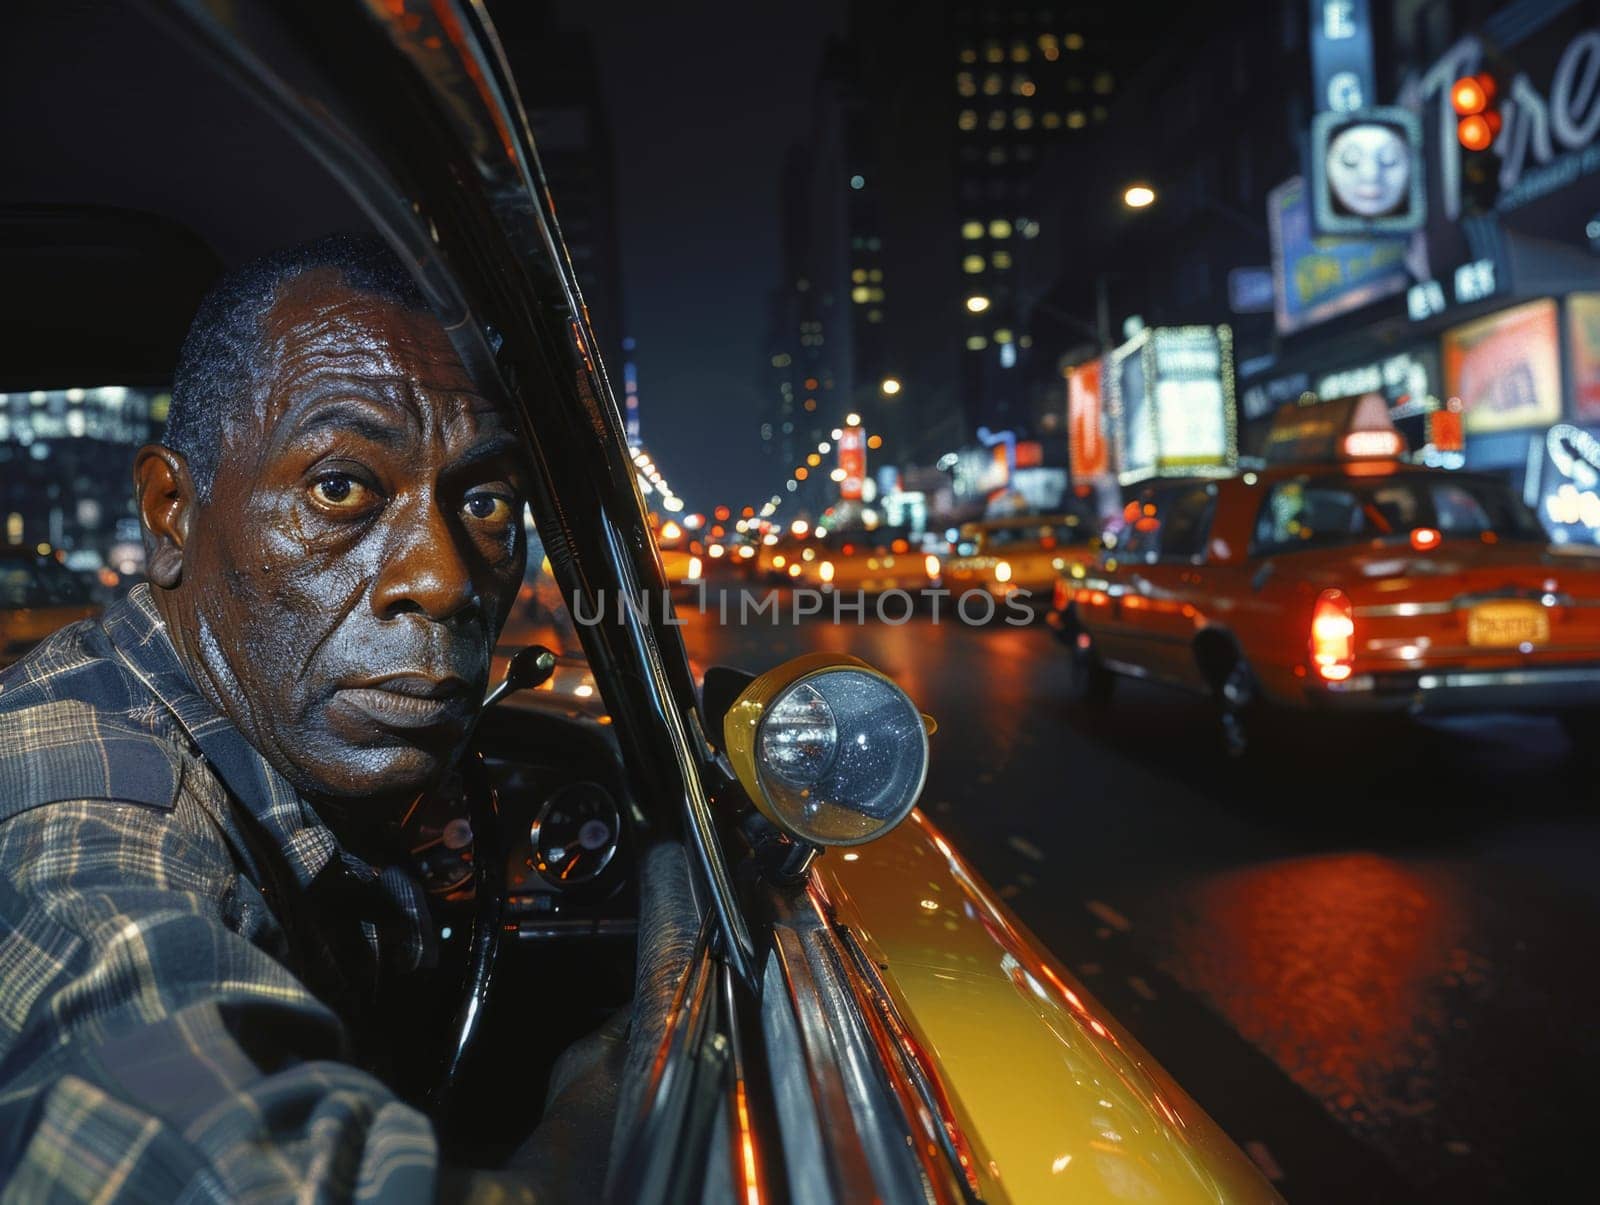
(682, 567)
(1009, 556)
(851, 565)
(1053, 1099)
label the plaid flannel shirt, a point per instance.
(166, 901)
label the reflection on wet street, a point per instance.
(1365, 956)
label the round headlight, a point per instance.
(840, 756)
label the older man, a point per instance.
(192, 949)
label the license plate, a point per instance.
(1508, 623)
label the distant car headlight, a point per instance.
(828, 749)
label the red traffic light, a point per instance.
(1472, 94)
(1477, 132)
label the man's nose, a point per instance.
(427, 570)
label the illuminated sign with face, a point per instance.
(1366, 172)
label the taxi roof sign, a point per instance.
(1347, 428)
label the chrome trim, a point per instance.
(1462, 602)
(1403, 610)
(896, 1043)
(1509, 677)
(843, 1101)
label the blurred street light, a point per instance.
(891, 386)
(1138, 196)
(852, 420)
(977, 304)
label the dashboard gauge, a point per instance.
(575, 834)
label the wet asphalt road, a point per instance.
(1371, 958)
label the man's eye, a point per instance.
(488, 508)
(339, 491)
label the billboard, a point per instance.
(1506, 369)
(1366, 172)
(1314, 278)
(1172, 406)
(1087, 454)
(853, 462)
(1583, 335)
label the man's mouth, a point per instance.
(412, 700)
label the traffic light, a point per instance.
(1476, 101)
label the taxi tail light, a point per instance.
(1060, 599)
(1425, 538)
(1333, 635)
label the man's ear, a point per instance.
(166, 497)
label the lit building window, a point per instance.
(874, 294)
(1027, 228)
(1099, 112)
(1102, 83)
(992, 84)
(1002, 259)
(860, 294)
(875, 275)
(859, 276)
(965, 85)
(1073, 41)
(1019, 52)
(969, 55)
(811, 405)
(1049, 45)
(999, 228)
(1002, 336)
(1075, 119)
(972, 265)
(1074, 84)
(1022, 119)
(976, 343)
(997, 120)
(968, 120)
(971, 229)
(1051, 121)
(1025, 341)
(997, 155)
(993, 53)
(1021, 85)
(874, 315)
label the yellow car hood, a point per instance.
(1056, 1100)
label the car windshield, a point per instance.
(1313, 512)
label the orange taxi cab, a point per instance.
(1339, 577)
(682, 558)
(1021, 555)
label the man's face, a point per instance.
(345, 584)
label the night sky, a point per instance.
(703, 101)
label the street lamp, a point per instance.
(890, 386)
(852, 420)
(1137, 196)
(977, 304)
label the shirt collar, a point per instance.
(144, 646)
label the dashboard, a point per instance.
(565, 831)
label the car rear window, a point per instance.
(1323, 512)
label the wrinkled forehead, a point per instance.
(323, 337)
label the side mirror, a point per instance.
(829, 749)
